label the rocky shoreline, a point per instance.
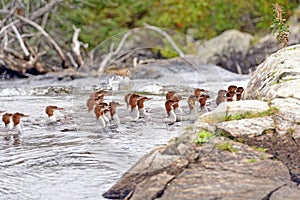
(252, 151)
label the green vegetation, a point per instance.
(102, 19)
(203, 136)
(226, 146)
(252, 160)
(279, 26)
(291, 131)
(260, 149)
(247, 115)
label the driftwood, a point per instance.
(76, 44)
(47, 36)
(22, 51)
(108, 57)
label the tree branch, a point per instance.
(113, 53)
(46, 35)
(23, 47)
(40, 12)
(166, 35)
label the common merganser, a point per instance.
(7, 119)
(202, 101)
(140, 103)
(239, 92)
(221, 96)
(50, 112)
(177, 110)
(16, 118)
(95, 98)
(229, 96)
(171, 116)
(113, 111)
(105, 115)
(231, 88)
(99, 112)
(192, 103)
(134, 112)
(170, 95)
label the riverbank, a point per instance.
(252, 152)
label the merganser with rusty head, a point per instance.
(99, 111)
(113, 111)
(177, 110)
(134, 111)
(141, 107)
(171, 116)
(50, 112)
(202, 100)
(239, 93)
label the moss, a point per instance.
(247, 115)
(260, 149)
(291, 131)
(203, 137)
(252, 160)
(226, 146)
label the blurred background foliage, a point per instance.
(203, 19)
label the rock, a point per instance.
(277, 77)
(227, 109)
(201, 172)
(153, 164)
(254, 51)
(286, 192)
(227, 50)
(277, 80)
(252, 127)
(220, 174)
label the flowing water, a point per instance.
(73, 158)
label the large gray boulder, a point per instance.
(227, 50)
(277, 80)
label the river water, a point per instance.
(73, 158)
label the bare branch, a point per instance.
(26, 52)
(40, 12)
(76, 45)
(113, 53)
(11, 12)
(75, 65)
(8, 26)
(46, 35)
(166, 35)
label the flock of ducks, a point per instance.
(106, 113)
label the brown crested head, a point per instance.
(113, 107)
(100, 109)
(170, 95)
(6, 118)
(231, 88)
(168, 105)
(141, 100)
(230, 95)
(198, 91)
(133, 100)
(239, 90)
(50, 110)
(16, 117)
(203, 98)
(222, 92)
